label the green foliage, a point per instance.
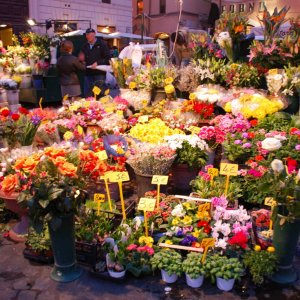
(222, 267)
(260, 264)
(192, 265)
(280, 121)
(39, 242)
(168, 260)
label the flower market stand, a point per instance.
(63, 246)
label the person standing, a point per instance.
(95, 52)
(67, 66)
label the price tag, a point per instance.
(160, 180)
(40, 103)
(146, 204)
(99, 197)
(65, 98)
(205, 244)
(194, 129)
(96, 90)
(143, 119)
(269, 201)
(102, 155)
(204, 207)
(229, 169)
(106, 92)
(118, 176)
(213, 172)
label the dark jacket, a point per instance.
(99, 53)
(67, 66)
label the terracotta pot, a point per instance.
(19, 232)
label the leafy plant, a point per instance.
(167, 260)
(260, 264)
(222, 267)
(192, 265)
(39, 242)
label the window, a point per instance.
(232, 8)
(241, 7)
(261, 6)
(162, 6)
(140, 7)
(106, 1)
(223, 8)
(251, 7)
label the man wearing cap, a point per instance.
(95, 52)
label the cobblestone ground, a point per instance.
(22, 280)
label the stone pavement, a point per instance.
(22, 280)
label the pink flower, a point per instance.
(242, 172)
(219, 201)
(131, 247)
(208, 167)
(247, 145)
(255, 173)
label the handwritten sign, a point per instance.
(229, 169)
(206, 244)
(160, 179)
(143, 119)
(99, 197)
(146, 204)
(213, 172)
(96, 90)
(118, 176)
(102, 155)
(269, 201)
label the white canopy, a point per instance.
(82, 32)
(117, 35)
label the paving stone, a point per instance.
(42, 284)
(22, 284)
(47, 296)
(27, 295)
(8, 293)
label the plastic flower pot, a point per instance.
(194, 283)
(225, 285)
(168, 278)
(112, 273)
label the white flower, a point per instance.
(221, 243)
(277, 165)
(271, 144)
(178, 211)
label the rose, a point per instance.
(277, 166)
(59, 161)
(23, 111)
(9, 183)
(15, 117)
(54, 152)
(27, 165)
(169, 89)
(5, 112)
(271, 144)
(67, 169)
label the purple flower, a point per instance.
(245, 135)
(297, 147)
(179, 233)
(188, 240)
(35, 120)
(247, 145)
(88, 139)
(238, 142)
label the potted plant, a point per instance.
(223, 270)
(261, 264)
(170, 264)
(12, 92)
(191, 155)
(194, 270)
(116, 261)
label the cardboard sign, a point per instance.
(213, 172)
(96, 90)
(160, 179)
(229, 169)
(99, 197)
(102, 155)
(269, 201)
(118, 176)
(146, 204)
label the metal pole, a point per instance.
(143, 26)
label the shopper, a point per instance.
(68, 65)
(95, 52)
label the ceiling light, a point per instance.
(31, 22)
(3, 25)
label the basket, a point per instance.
(38, 257)
(88, 253)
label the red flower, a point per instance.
(15, 117)
(259, 157)
(253, 122)
(5, 112)
(251, 135)
(294, 131)
(291, 165)
(239, 239)
(23, 111)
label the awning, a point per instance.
(82, 32)
(118, 35)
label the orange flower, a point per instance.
(67, 169)
(238, 28)
(54, 152)
(28, 164)
(87, 155)
(59, 161)
(9, 183)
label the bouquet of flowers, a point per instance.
(208, 93)
(122, 69)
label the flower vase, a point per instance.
(168, 278)
(225, 285)
(194, 283)
(19, 232)
(63, 247)
(182, 176)
(53, 52)
(285, 241)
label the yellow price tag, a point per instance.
(40, 103)
(229, 169)
(194, 129)
(208, 242)
(106, 92)
(213, 172)
(102, 155)
(99, 197)
(120, 112)
(65, 98)
(159, 179)
(118, 176)
(269, 201)
(96, 90)
(204, 207)
(143, 119)
(146, 204)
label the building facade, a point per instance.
(162, 15)
(255, 7)
(105, 16)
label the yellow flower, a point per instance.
(175, 222)
(187, 220)
(203, 215)
(196, 234)
(132, 85)
(257, 248)
(187, 205)
(228, 107)
(259, 114)
(169, 242)
(234, 66)
(246, 112)
(146, 240)
(169, 89)
(192, 96)
(68, 135)
(273, 72)
(168, 80)
(271, 249)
